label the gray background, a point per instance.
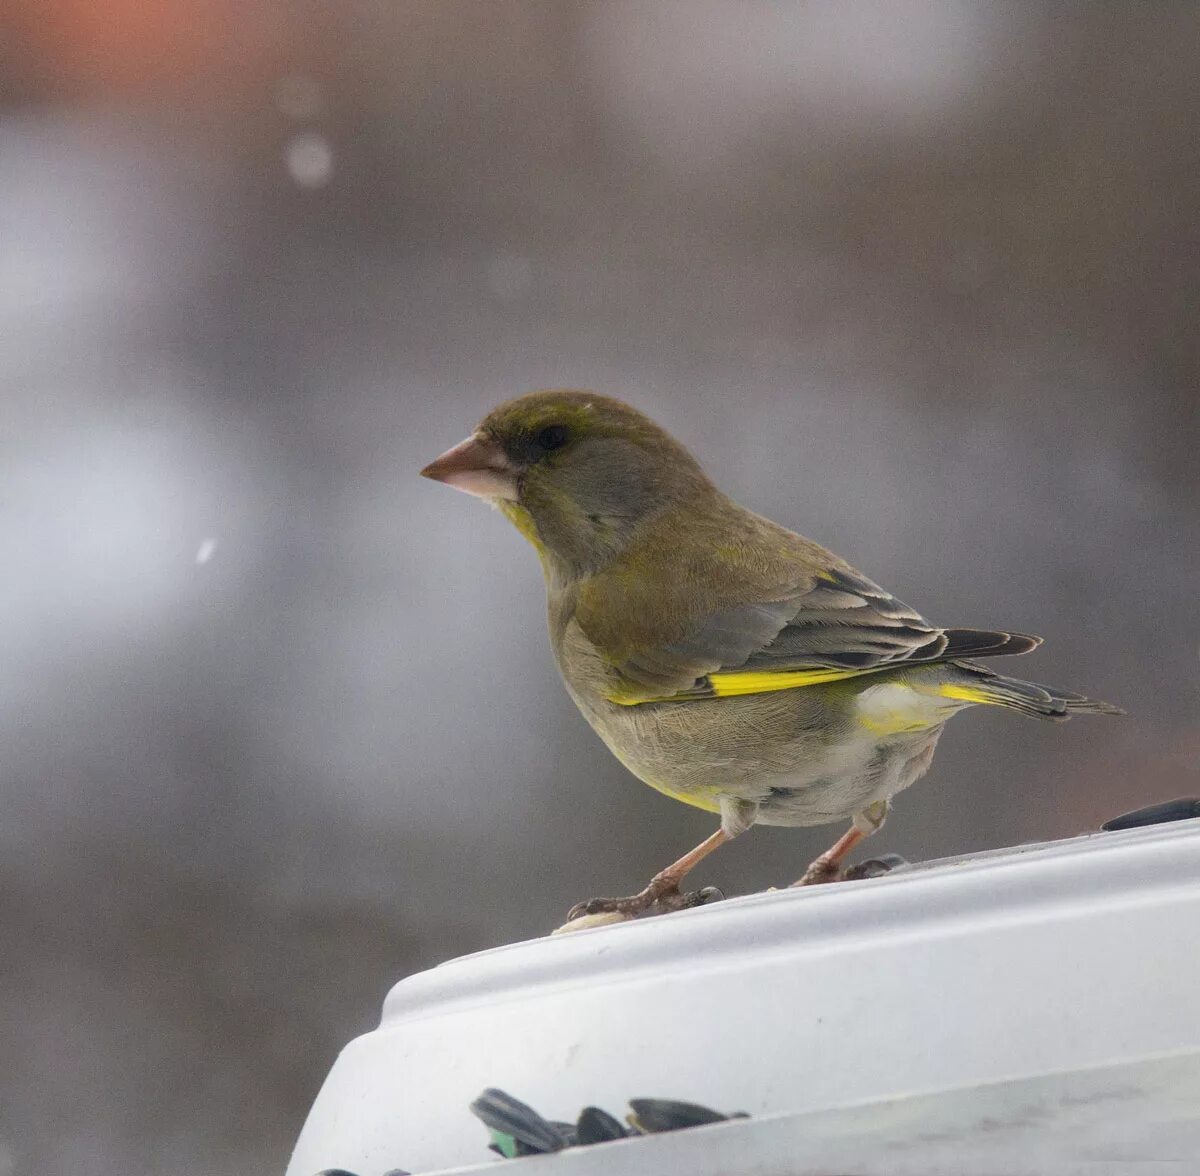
(278, 721)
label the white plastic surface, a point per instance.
(976, 977)
(1141, 1119)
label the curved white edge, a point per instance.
(1072, 958)
(999, 886)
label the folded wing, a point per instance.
(837, 625)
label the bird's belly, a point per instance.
(849, 781)
(799, 762)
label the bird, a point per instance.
(725, 660)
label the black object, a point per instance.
(598, 1126)
(1183, 809)
(702, 897)
(566, 1130)
(503, 1113)
(653, 1115)
(518, 1130)
(876, 867)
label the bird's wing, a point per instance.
(836, 624)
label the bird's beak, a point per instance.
(476, 466)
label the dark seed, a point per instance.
(703, 897)
(598, 1126)
(509, 1116)
(875, 867)
(664, 1114)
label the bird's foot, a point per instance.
(659, 898)
(820, 871)
(825, 870)
(630, 907)
(661, 892)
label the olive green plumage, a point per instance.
(725, 660)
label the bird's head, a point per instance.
(576, 472)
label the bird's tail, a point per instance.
(987, 643)
(975, 684)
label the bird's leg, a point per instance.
(828, 867)
(662, 890)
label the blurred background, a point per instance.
(279, 721)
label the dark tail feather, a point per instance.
(987, 643)
(1042, 702)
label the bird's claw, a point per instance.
(631, 906)
(654, 900)
(819, 873)
(823, 870)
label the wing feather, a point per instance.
(841, 627)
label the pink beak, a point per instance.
(476, 466)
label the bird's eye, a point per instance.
(551, 437)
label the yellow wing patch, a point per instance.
(764, 681)
(734, 684)
(965, 694)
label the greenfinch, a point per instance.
(725, 660)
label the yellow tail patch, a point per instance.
(896, 724)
